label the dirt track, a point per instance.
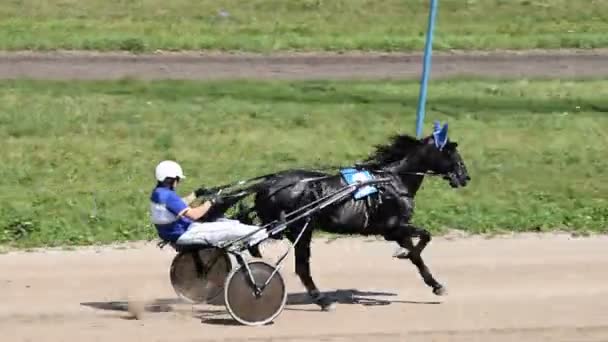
(550, 288)
(86, 66)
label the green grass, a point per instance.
(269, 25)
(78, 158)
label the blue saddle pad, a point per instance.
(353, 175)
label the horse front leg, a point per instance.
(403, 236)
(302, 260)
(408, 247)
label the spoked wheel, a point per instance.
(244, 304)
(199, 275)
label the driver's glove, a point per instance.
(202, 192)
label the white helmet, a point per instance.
(168, 168)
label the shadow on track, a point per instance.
(221, 317)
(350, 297)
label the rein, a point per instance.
(220, 189)
(426, 173)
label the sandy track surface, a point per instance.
(526, 288)
(107, 66)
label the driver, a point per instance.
(174, 218)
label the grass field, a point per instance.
(78, 158)
(268, 25)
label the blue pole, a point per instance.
(426, 68)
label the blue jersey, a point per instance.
(165, 208)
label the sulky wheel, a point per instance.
(241, 300)
(198, 275)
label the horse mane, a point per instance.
(399, 147)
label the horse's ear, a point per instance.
(436, 126)
(440, 135)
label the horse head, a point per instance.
(441, 156)
(434, 154)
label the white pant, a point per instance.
(212, 233)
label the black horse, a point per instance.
(386, 212)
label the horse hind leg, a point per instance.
(302, 261)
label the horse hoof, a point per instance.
(328, 307)
(326, 304)
(401, 253)
(440, 290)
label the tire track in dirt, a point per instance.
(301, 66)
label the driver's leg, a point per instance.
(212, 233)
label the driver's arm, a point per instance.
(182, 207)
(196, 212)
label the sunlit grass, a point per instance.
(268, 25)
(78, 158)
